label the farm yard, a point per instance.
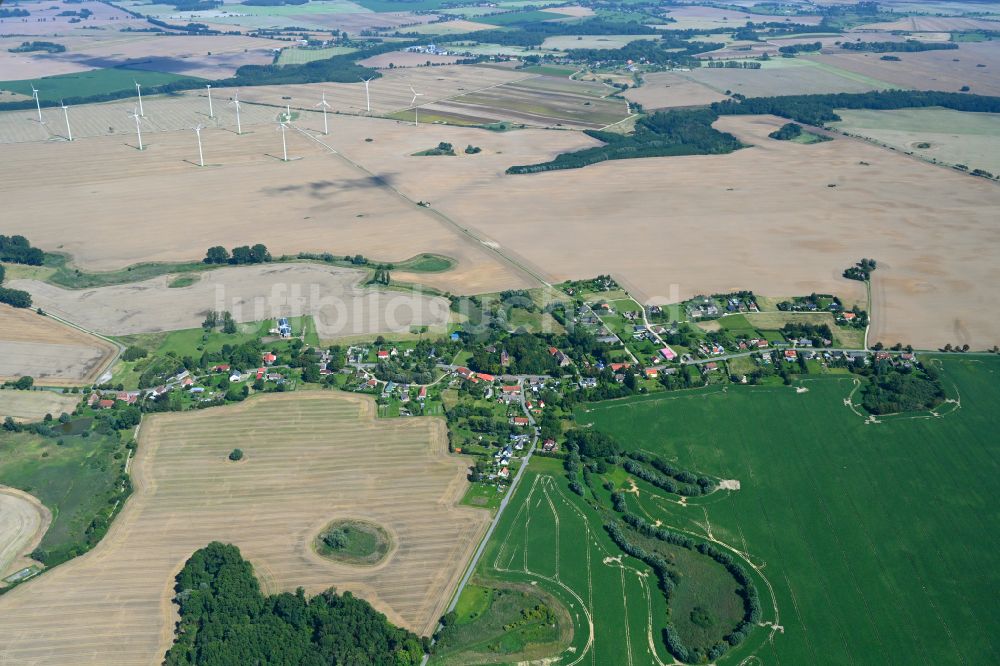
(51, 352)
(334, 297)
(949, 137)
(33, 405)
(309, 458)
(852, 584)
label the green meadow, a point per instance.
(94, 82)
(877, 542)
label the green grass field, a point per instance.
(95, 82)
(942, 135)
(879, 540)
(300, 56)
(76, 480)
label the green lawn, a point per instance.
(483, 496)
(94, 82)
(879, 540)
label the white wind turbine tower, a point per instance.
(416, 109)
(325, 106)
(69, 131)
(138, 130)
(284, 146)
(201, 156)
(38, 104)
(368, 97)
(138, 90)
(211, 112)
(236, 103)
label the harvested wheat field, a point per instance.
(340, 304)
(316, 202)
(33, 405)
(310, 458)
(928, 70)
(51, 352)
(667, 89)
(23, 521)
(763, 218)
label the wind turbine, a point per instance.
(138, 90)
(201, 156)
(368, 97)
(38, 104)
(236, 103)
(284, 146)
(325, 106)
(211, 113)
(416, 109)
(69, 131)
(137, 114)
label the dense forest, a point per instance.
(892, 390)
(819, 109)
(225, 619)
(681, 132)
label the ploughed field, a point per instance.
(309, 458)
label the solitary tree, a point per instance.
(236, 455)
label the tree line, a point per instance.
(664, 133)
(909, 46)
(819, 109)
(244, 254)
(225, 620)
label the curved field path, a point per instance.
(310, 458)
(23, 522)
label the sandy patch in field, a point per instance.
(930, 70)
(311, 458)
(406, 59)
(666, 89)
(317, 202)
(341, 306)
(53, 353)
(762, 218)
(23, 521)
(33, 405)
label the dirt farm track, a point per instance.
(310, 458)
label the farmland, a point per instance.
(33, 405)
(772, 209)
(787, 77)
(333, 296)
(852, 583)
(309, 458)
(23, 521)
(95, 82)
(669, 89)
(942, 135)
(51, 352)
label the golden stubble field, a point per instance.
(763, 218)
(33, 405)
(23, 521)
(51, 352)
(310, 459)
(334, 296)
(118, 206)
